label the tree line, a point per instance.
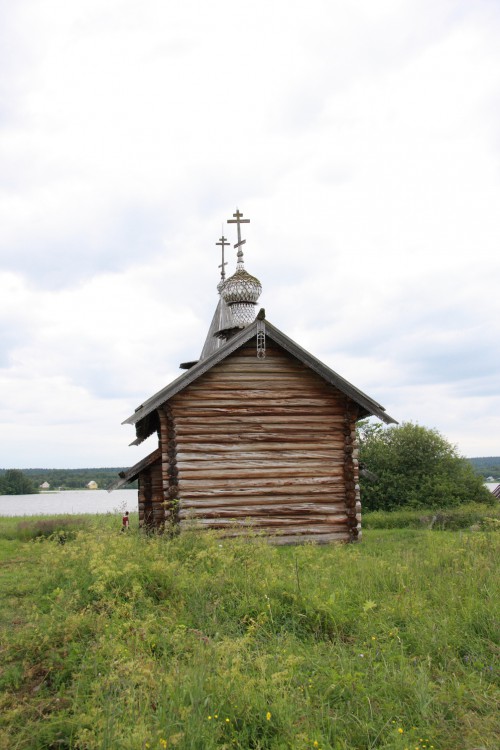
(58, 479)
(14, 482)
(487, 466)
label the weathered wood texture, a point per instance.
(151, 496)
(264, 443)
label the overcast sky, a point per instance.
(362, 140)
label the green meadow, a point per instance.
(127, 642)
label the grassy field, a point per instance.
(127, 642)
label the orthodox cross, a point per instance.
(238, 220)
(223, 242)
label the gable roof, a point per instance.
(369, 406)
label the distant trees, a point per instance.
(415, 466)
(13, 482)
(74, 479)
(487, 466)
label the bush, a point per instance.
(416, 467)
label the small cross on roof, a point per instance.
(223, 243)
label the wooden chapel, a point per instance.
(257, 434)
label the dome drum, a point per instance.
(243, 313)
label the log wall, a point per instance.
(266, 443)
(151, 497)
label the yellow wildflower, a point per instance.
(400, 730)
(268, 716)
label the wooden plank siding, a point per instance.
(265, 443)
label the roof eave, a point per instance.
(131, 474)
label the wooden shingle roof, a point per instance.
(222, 320)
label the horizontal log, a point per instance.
(277, 371)
(241, 409)
(216, 472)
(272, 419)
(304, 418)
(255, 492)
(256, 387)
(272, 424)
(281, 510)
(326, 426)
(290, 437)
(334, 502)
(228, 379)
(253, 465)
(256, 453)
(254, 400)
(286, 524)
(254, 447)
(258, 481)
(256, 391)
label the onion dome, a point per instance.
(241, 292)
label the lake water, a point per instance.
(69, 501)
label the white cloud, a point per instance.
(361, 139)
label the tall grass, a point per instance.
(127, 641)
(64, 527)
(451, 519)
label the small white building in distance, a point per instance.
(45, 486)
(92, 485)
